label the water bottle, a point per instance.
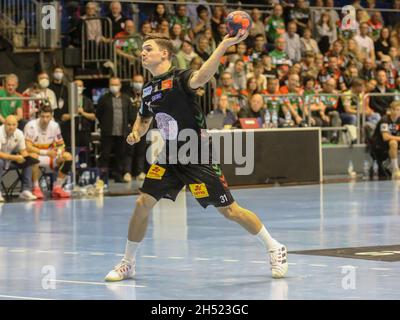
(86, 178)
(43, 183)
(68, 184)
(288, 117)
(375, 170)
(366, 170)
(274, 118)
(267, 118)
(350, 170)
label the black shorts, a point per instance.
(206, 183)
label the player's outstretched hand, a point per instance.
(133, 137)
(240, 36)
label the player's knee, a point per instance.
(231, 212)
(393, 144)
(145, 201)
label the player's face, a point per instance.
(152, 55)
(45, 118)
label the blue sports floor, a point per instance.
(63, 249)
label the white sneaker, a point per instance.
(278, 259)
(1, 198)
(124, 270)
(396, 174)
(141, 176)
(127, 177)
(27, 195)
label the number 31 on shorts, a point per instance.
(223, 198)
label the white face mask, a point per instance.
(114, 89)
(137, 86)
(58, 75)
(80, 90)
(44, 83)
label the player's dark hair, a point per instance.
(162, 41)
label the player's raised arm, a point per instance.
(210, 67)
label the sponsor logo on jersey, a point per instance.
(166, 84)
(155, 172)
(147, 91)
(156, 97)
(199, 190)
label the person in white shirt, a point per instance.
(293, 44)
(365, 43)
(43, 137)
(13, 154)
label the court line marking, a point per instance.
(45, 251)
(119, 255)
(21, 297)
(72, 252)
(230, 260)
(381, 269)
(98, 283)
(317, 265)
(202, 259)
(258, 261)
(97, 254)
(150, 257)
(17, 250)
(175, 258)
(292, 263)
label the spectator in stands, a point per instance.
(185, 55)
(391, 72)
(337, 51)
(383, 44)
(30, 108)
(314, 103)
(292, 42)
(114, 112)
(203, 22)
(365, 42)
(13, 154)
(158, 14)
(129, 44)
(45, 92)
(332, 12)
(308, 66)
(10, 107)
(251, 88)
(259, 47)
(94, 31)
(208, 34)
(349, 74)
(238, 74)
(177, 37)
(84, 120)
(275, 24)
(256, 109)
(135, 160)
(145, 29)
(269, 70)
(307, 43)
(227, 89)
(386, 139)
(223, 108)
(258, 25)
(203, 48)
(353, 55)
(394, 55)
(61, 92)
(275, 104)
(300, 15)
(393, 17)
(330, 101)
(368, 70)
(43, 138)
(376, 25)
(380, 104)
(325, 33)
(295, 102)
(279, 55)
(116, 17)
(163, 27)
(332, 71)
(221, 33)
(217, 18)
(258, 69)
(182, 19)
(370, 85)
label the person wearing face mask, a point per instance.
(61, 92)
(136, 153)
(115, 114)
(45, 92)
(84, 120)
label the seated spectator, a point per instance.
(331, 71)
(43, 138)
(145, 29)
(185, 55)
(239, 75)
(158, 14)
(256, 109)
(294, 103)
(382, 44)
(45, 92)
(177, 37)
(221, 33)
(203, 21)
(314, 103)
(259, 47)
(203, 48)
(308, 65)
(227, 89)
(217, 17)
(301, 15)
(368, 70)
(391, 72)
(182, 19)
(10, 107)
(349, 74)
(249, 91)
(330, 100)
(84, 120)
(60, 90)
(380, 104)
(13, 154)
(129, 44)
(208, 34)
(31, 107)
(223, 108)
(269, 71)
(94, 30)
(116, 17)
(353, 54)
(117, 107)
(163, 27)
(337, 51)
(292, 42)
(258, 69)
(365, 42)
(386, 139)
(258, 25)
(307, 43)
(394, 55)
(275, 104)
(279, 55)
(274, 25)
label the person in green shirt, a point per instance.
(279, 55)
(275, 24)
(10, 107)
(182, 19)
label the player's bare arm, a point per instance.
(140, 127)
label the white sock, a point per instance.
(36, 184)
(395, 164)
(60, 181)
(130, 250)
(266, 239)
